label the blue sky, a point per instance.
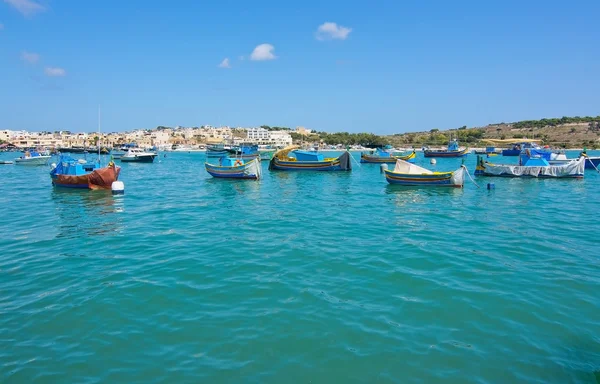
(376, 66)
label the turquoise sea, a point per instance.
(298, 278)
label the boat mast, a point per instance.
(99, 130)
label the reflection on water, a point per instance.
(403, 195)
(92, 213)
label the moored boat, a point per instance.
(71, 173)
(532, 166)
(216, 150)
(244, 151)
(138, 155)
(412, 175)
(384, 157)
(32, 158)
(452, 150)
(308, 161)
(232, 168)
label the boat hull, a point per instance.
(438, 179)
(592, 162)
(386, 160)
(446, 153)
(138, 159)
(250, 170)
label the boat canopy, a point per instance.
(410, 169)
(511, 141)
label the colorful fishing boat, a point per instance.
(452, 151)
(532, 166)
(231, 168)
(412, 175)
(244, 151)
(308, 161)
(216, 150)
(71, 173)
(384, 157)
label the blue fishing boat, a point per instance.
(412, 175)
(383, 157)
(245, 151)
(452, 150)
(216, 150)
(516, 148)
(308, 161)
(72, 173)
(232, 168)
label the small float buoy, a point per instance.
(53, 165)
(432, 161)
(491, 186)
(118, 188)
(383, 168)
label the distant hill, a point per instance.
(565, 132)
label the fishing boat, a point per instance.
(244, 151)
(452, 151)
(137, 155)
(308, 161)
(412, 175)
(382, 157)
(71, 173)
(32, 158)
(232, 168)
(216, 150)
(531, 165)
(489, 150)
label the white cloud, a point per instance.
(263, 52)
(30, 57)
(55, 72)
(26, 7)
(225, 63)
(331, 31)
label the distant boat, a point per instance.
(308, 161)
(71, 173)
(452, 151)
(384, 157)
(137, 155)
(6, 162)
(74, 149)
(488, 151)
(32, 158)
(232, 168)
(412, 175)
(531, 165)
(216, 150)
(244, 151)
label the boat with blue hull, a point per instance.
(232, 168)
(245, 151)
(411, 175)
(72, 173)
(452, 150)
(532, 165)
(308, 161)
(384, 157)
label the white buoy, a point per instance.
(53, 165)
(117, 187)
(432, 161)
(383, 168)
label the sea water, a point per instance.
(299, 277)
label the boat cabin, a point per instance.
(453, 145)
(308, 156)
(72, 167)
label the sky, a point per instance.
(358, 66)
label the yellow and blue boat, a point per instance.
(412, 175)
(308, 161)
(232, 168)
(384, 157)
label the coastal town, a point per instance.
(162, 138)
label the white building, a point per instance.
(280, 138)
(257, 134)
